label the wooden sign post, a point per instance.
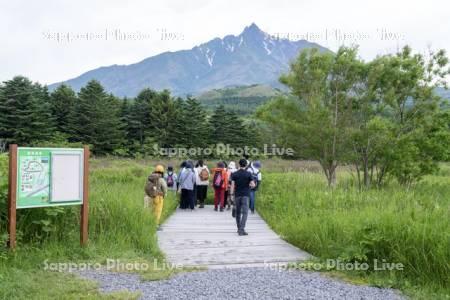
(12, 190)
(85, 205)
(46, 177)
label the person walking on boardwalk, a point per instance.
(194, 168)
(187, 184)
(229, 197)
(156, 190)
(255, 171)
(202, 181)
(220, 182)
(182, 167)
(225, 194)
(171, 178)
(241, 183)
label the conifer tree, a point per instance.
(229, 128)
(217, 123)
(62, 102)
(141, 123)
(25, 112)
(175, 127)
(96, 119)
(195, 126)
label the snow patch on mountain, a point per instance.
(210, 56)
(268, 51)
(241, 41)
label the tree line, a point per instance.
(382, 116)
(31, 115)
(240, 105)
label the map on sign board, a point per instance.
(34, 179)
(49, 177)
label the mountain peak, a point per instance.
(251, 30)
(249, 58)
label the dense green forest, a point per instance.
(128, 127)
(243, 100)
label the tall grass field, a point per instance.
(119, 228)
(394, 224)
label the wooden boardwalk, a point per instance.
(206, 238)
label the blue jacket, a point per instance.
(187, 179)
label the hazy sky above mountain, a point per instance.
(35, 33)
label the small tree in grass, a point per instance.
(382, 116)
(315, 123)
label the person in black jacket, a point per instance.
(241, 183)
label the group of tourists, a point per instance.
(235, 187)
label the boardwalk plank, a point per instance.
(206, 238)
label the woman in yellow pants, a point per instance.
(160, 187)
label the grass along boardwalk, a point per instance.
(206, 238)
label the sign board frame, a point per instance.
(67, 153)
(28, 199)
(14, 194)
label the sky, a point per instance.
(51, 41)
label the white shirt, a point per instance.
(254, 170)
(198, 181)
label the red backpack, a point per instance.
(170, 181)
(218, 180)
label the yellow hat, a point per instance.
(159, 168)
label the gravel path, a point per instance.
(244, 283)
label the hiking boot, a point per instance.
(243, 232)
(229, 207)
(202, 205)
(221, 209)
(215, 208)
